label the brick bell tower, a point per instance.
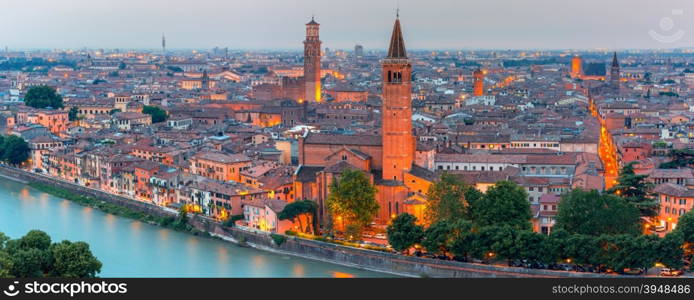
(312, 62)
(398, 141)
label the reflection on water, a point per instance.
(337, 274)
(130, 248)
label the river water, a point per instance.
(129, 248)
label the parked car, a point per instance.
(636, 271)
(670, 272)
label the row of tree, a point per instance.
(591, 228)
(34, 255)
(614, 251)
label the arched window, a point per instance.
(389, 77)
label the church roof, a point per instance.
(397, 43)
(615, 62)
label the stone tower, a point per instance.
(576, 67)
(478, 83)
(312, 46)
(398, 141)
(614, 72)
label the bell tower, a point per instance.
(398, 141)
(312, 46)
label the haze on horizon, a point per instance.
(279, 24)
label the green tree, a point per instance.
(33, 255)
(635, 190)
(353, 198)
(437, 238)
(74, 260)
(505, 203)
(403, 232)
(446, 200)
(463, 235)
(35, 239)
(685, 229)
(43, 96)
(72, 113)
(533, 247)
(629, 251)
(680, 158)
(15, 150)
(296, 210)
(158, 114)
(591, 213)
(29, 262)
(492, 242)
(6, 265)
(670, 250)
(582, 249)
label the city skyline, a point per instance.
(532, 24)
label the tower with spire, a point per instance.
(163, 44)
(397, 138)
(312, 69)
(614, 72)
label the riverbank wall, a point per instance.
(371, 260)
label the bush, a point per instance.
(278, 239)
(231, 221)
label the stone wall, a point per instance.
(354, 257)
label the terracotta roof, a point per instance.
(672, 173)
(343, 139)
(672, 189)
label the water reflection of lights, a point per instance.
(337, 274)
(298, 271)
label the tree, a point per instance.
(680, 157)
(29, 262)
(33, 255)
(74, 260)
(635, 190)
(15, 150)
(463, 236)
(445, 200)
(35, 239)
(493, 242)
(533, 247)
(505, 203)
(670, 251)
(685, 229)
(43, 96)
(297, 209)
(158, 114)
(631, 252)
(353, 198)
(404, 232)
(72, 114)
(437, 238)
(582, 249)
(582, 212)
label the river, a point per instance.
(129, 248)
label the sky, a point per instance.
(279, 24)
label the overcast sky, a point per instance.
(279, 24)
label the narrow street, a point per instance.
(606, 150)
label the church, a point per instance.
(390, 159)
